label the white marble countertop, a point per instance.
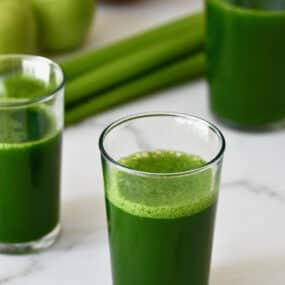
(249, 246)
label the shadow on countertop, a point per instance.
(262, 271)
(83, 221)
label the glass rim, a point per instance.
(121, 121)
(41, 98)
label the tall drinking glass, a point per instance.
(31, 123)
(162, 175)
(246, 62)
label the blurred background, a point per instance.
(66, 27)
(115, 21)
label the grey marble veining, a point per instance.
(266, 190)
(249, 246)
(32, 266)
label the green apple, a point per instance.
(63, 24)
(18, 31)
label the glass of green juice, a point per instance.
(246, 62)
(31, 123)
(161, 174)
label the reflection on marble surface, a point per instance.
(249, 242)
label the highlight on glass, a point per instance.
(162, 174)
(31, 123)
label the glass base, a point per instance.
(271, 127)
(32, 246)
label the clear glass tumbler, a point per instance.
(246, 62)
(31, 123)
(162, 175)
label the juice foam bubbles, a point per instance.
(164, 188)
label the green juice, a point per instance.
(271, 5)
(160, 227)
(30, 152)
(246, 61)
